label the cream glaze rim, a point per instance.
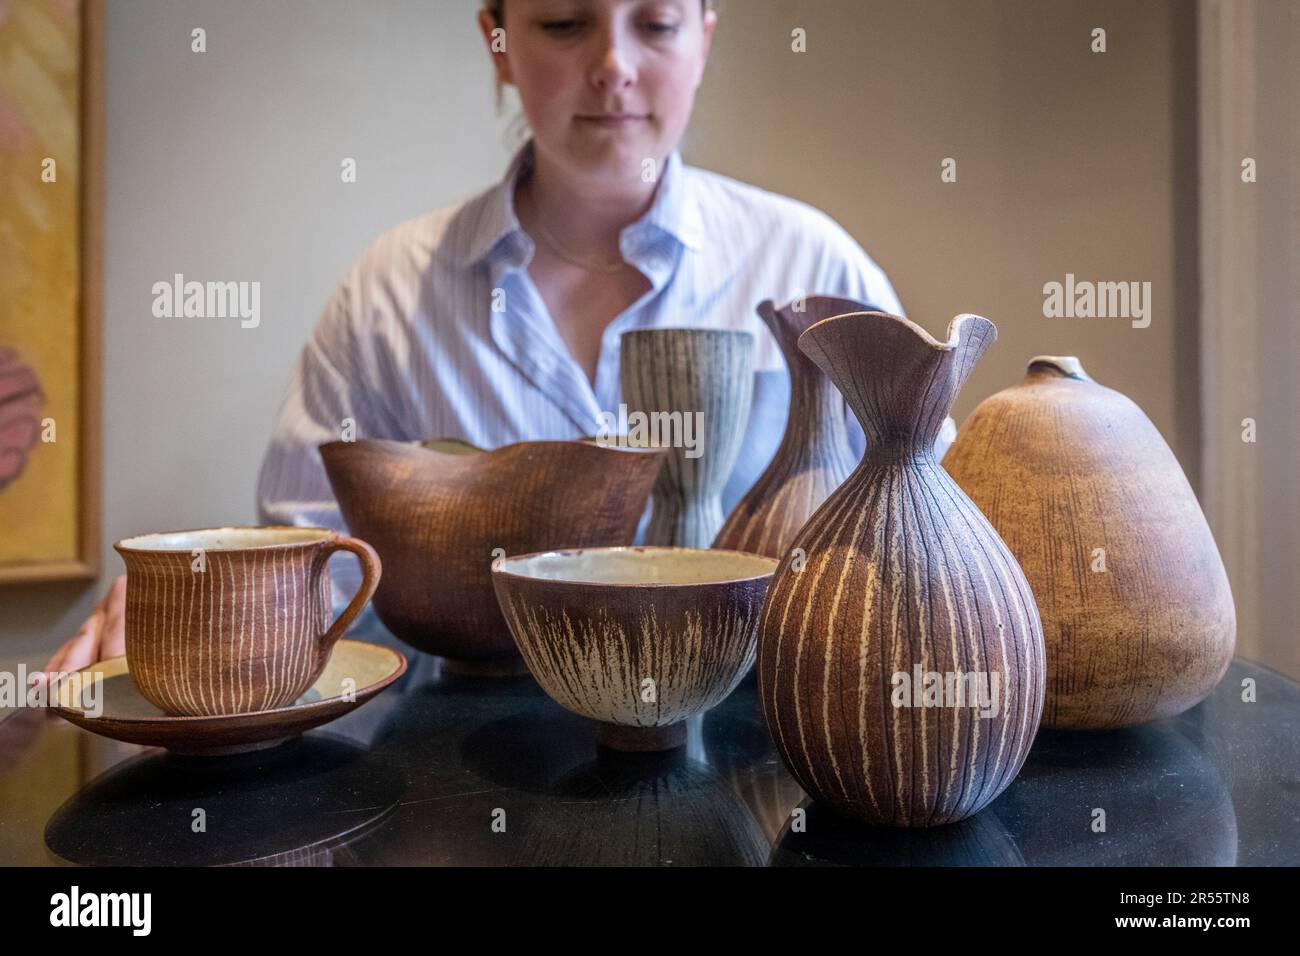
(954, 327)
(303, 535)
(465, 449)
(461, 447)
(771, 563)
(117, 666)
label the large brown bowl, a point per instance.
(440, 512)
(638, 639)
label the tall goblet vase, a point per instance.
(690, 390)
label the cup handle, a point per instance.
(371, 569)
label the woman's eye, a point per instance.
(560, 26)
(660, 29)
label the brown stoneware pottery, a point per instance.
(441, 512)
(814, 456)
(638, 639)
(1137, 613)
(234, 620)
(115, 709)
(900, 660)
(690, 390)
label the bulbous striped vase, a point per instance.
(901, 664)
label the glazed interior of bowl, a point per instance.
(451, 446)
(621, 441)
(639, 567)
(216, 539)
(455, 446)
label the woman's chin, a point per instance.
(615, 154)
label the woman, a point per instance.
(498, 319)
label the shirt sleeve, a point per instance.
(326, 395)
(850, 272)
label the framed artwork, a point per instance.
(51, 206)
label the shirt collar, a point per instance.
(498, 235)
(675, 212)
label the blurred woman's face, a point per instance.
(605, 84)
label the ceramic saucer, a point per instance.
(129, 717)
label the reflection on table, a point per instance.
(446, 769)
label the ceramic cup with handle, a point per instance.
(234, 620)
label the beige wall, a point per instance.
(225, 165)
(1067, 162)
(1250, 276)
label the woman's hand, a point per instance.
(101, 637)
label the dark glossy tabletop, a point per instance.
(421, 774)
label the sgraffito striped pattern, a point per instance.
(250, 631)
(591, 648)
(681, 372)
(901, 570)
(814, 456)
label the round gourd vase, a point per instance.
(1137, 613)
(900, 662)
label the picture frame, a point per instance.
(84, 473)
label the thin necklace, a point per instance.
(604, 268)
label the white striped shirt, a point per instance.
(410, 346)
